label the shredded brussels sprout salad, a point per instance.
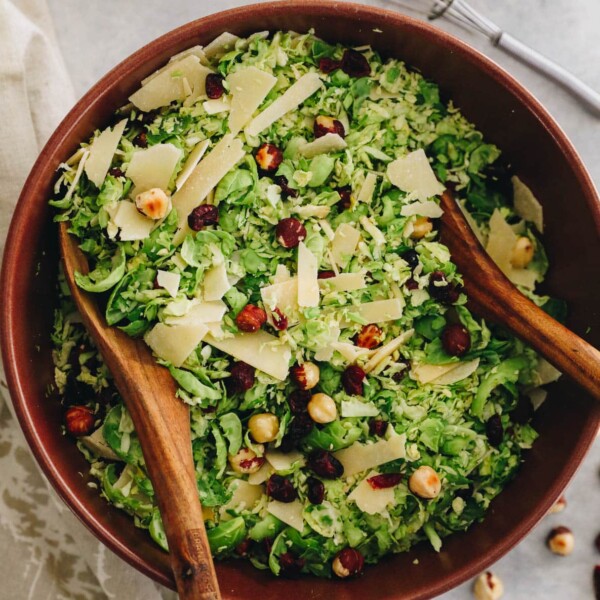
(264, 213)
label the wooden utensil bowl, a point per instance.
(507, 115)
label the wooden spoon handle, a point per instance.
(495, 297)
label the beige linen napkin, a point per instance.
(46, 553)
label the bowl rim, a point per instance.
(136, 61)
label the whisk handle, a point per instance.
(583, 92)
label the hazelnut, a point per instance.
(269, 157)
(79, 421)
(522, 253)
(370, 336)
(251, 318)
(425, 482)
(456, 339)
(352, 380)
(154, 203)
(561, 541)
(348, 562)
(290, 232)
(558, 506)
(322, 408)
(488, 586)
(306, 375)
(214, 86)
(246, 461)
(263, 427)
(421, 227)
(203, 216)
(324, 125)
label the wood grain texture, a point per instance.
(162, 424)
(494, 297)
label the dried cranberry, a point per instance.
(441, 290)
(242, 548)
(326, 274)
(280, 321)
(315, 491)
(291, 566)
(328, 65)
(281, 489)
(203, 216)
(377, 427)
(286, 190)
(214, 86)
(251, 318)
(325, 465)
(345, 193)
(494, 430)
(267, 545)
(456, 339)
(116, 172)
(242, 376)
(269, 157)
(411, 257)
(523, 412)
(298, 401)
(300, 426)
(290, 232)
(411, 284)
(384, 480)
(355, 64)
(352, 380)
(324, 125)
(141, 140)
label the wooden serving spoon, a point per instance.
(493, 296)
(162, 423)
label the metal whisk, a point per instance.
(461, 13)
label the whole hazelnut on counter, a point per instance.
(348, 562)
(154, 203)
(425, 482)
(263, 427)
(488, 586)
(561, 541)
(246, 461)
(79, 421)
(322, 408)
(306, 375)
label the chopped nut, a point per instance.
(269, 157)
(425, 482)
(370, 336)
(348, 562)
(522, 253)
(290, 232)
(306, 375)
(263, 427)
(561, 541)
(558, 506)
(154, 203)
(322, 408)
(251, 318)
(79, 420)
(324, 125)
(246, 461)
(488, 586)
(421, 227)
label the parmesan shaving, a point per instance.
(101, 154)
(362, 457)
(192, 160)
(284, 461)
(369, 500)
(220, 45)
(308, 271)
(413, 174)
(216, 283)
(387, 350)
(175, 343)
(344, 244)
(310, 210)
(153, 167)
(527, 205)
(373, 231)
(169, 281)
(344, 282)
(330, 142)
(131, 223)
(378, 311)
(428, 208)
(288, 512)
(367, 189)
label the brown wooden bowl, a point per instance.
(508, 116)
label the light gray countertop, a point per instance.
(95, 36)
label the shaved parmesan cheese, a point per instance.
(373, 231)
(358, 408)
(305, 87)
(261, 350)
(78, 173)
(361, 457)
(283, 296)
(98, 445)
(326, 227)
(444, 374)
(387, 350)
(378, 311)
(427, 373)
(192, 160)
(216, 106)
(526, 204)
(545, 373)
(344, 244)
(220, 45)
(330, 142)
(196, 312)
(281, 461)
(102, 151)
(131, 223)
(537, 397)
(153, 167)
(349, 351)
(369, 500)
(413, 174)
(282, 274)
(524, 277)
(310, 210)
(193, 51)
(261, 475)
(308, 272)
(428, 208)
(344, 282)
(175, 343)
(501, 242)
(288, 512)
(216, 283)
(325, 352)
(211, 169)
(168, 85)
(249, 87)
(367, 189)
(244, 497)
(169, 281)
